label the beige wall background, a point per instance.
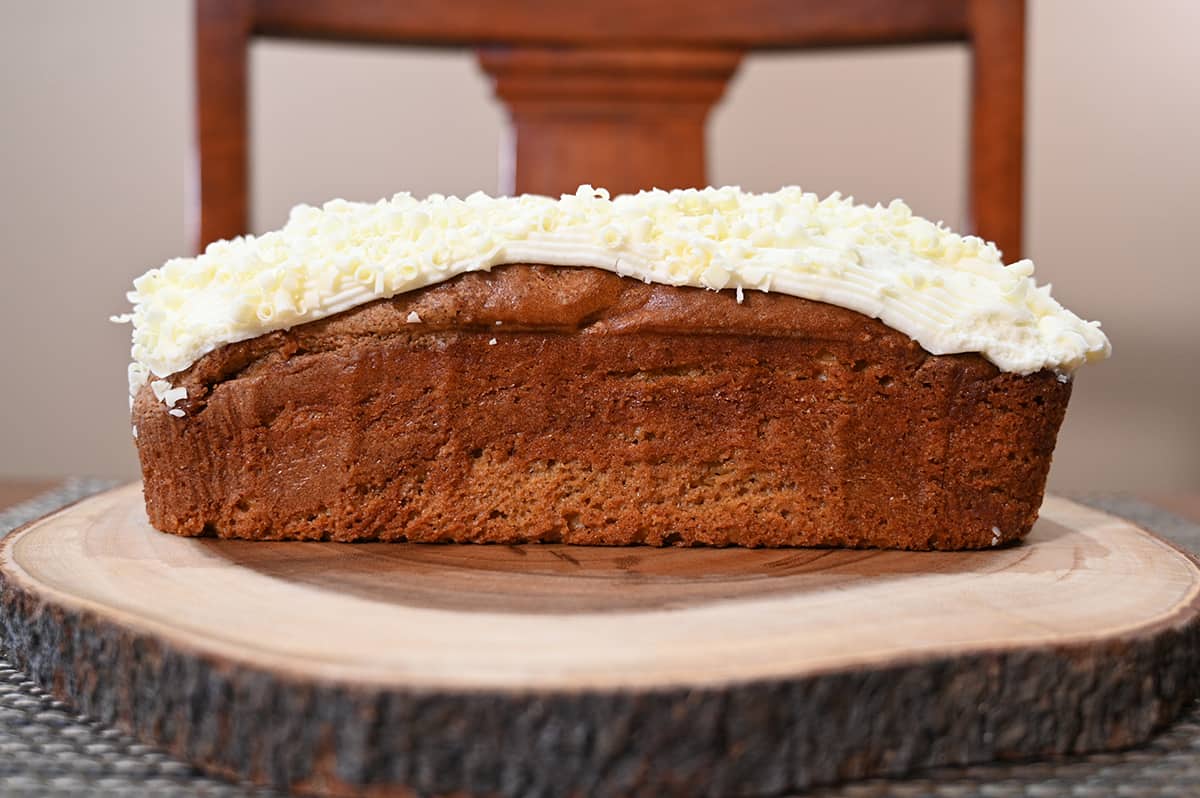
(94, 145)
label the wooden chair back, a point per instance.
(613, 93)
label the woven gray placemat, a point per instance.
(46, 749)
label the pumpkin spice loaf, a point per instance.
(492, 399)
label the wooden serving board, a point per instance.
(390, 669)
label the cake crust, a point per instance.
(571, 405)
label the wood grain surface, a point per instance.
(613, 23)
(577, 117)
(539, 670)
(628, 119)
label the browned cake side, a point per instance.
(551, 404)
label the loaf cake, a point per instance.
(669, 368)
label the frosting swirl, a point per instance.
(950, 293)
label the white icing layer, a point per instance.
(949, 292)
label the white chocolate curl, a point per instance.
(950, 293)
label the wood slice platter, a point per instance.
(392, 669)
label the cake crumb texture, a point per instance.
(610, 412)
